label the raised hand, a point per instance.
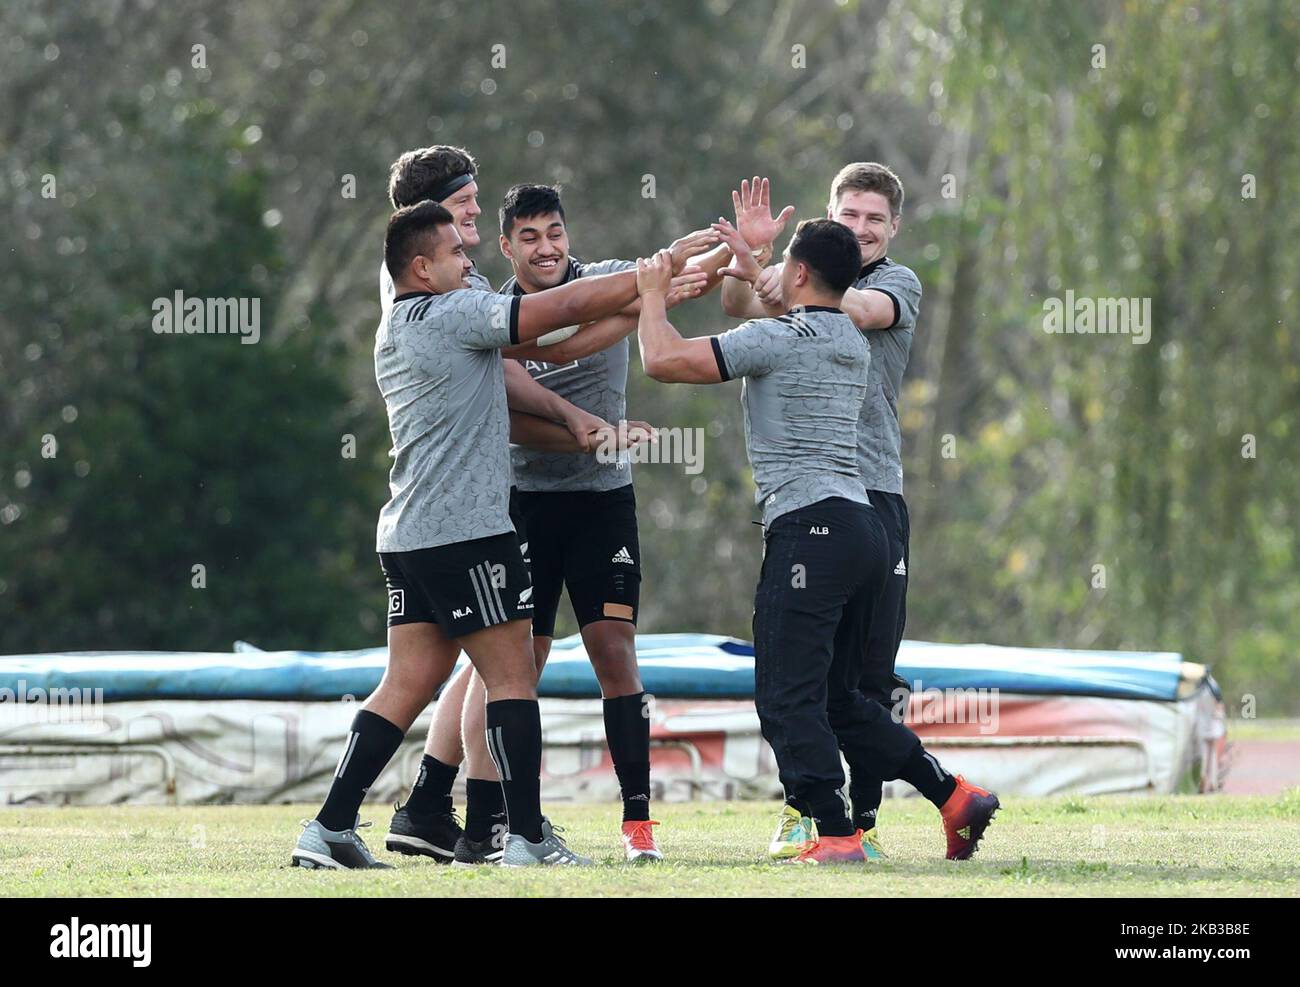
(687, 285)
(743, 264)
(654, 273)
(753, 204)
(692, 244)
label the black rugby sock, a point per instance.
(627, 731)
(371, 744)
(923, 771)
(431, 792)
(865, 794)
(799, 805)
(831, 813)
(514, 739)
(485, 806)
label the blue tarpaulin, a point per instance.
(696, 666)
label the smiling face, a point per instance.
(447, 267)
(538, 250)
(463, 206)
(868, 216)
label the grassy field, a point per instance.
(1264, 729)
(1184, 846)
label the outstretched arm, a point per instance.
(739, 298)
(581, 300)
(665, 355)
(892, 301)
(541, 434)
(545, 436)
(523, 394)
(603, 333)
(869, 309)
(690, 248)
(583, 341)
(589, 299)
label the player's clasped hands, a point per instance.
(691, 245)
(625, 435)
(655, 273)
(685, 286)
(768, 286)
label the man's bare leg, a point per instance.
(444, 741)
(426, 824)
(431, 790)
(420, 658)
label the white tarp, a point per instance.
(254, 751)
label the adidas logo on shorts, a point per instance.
(901, 568)
(622, 555)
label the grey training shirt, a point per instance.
(597, 384)
(438, 367)
(805, 379)
(880, 443)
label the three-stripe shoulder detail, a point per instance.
(798, 326)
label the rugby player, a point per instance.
(585, 370)
(426, 824)
(455, 575)
(883, 302)
(577, 514)
(825, 553)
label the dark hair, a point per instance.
(830, 249)
(412, 230)
(525, 201)
(420, 174)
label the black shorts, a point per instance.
(462, 587)
(585, 540)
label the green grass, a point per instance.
(1264, 729)
(1179, 846)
